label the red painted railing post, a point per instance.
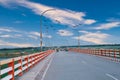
(101, 52)
(119, 53)
(94, 51)
(109, 52)
(115, 55)
(27, 63)
(97, 51)
(11, 64)
(105, 52)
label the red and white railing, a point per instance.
(11, 68)
(108, 53)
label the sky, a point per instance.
(63, 22)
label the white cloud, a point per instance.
(97, 37)
(10, 35)
(37, 34)
(64, 33)
(5, 36)
(23, 14)
(89, 21)
(6, 29)
(108, 25)
(82, 31)
(4, 43)
(33, 37)
(47, 36)
(66, 17)
(10, 32)
(17, 22)
(4, 2)
(112, 19)
(18, 34)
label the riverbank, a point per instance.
(3, 59)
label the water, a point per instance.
(3, 59)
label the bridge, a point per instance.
(74, 64)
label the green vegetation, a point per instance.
(15, 52)
(9, 53)
(105, 46)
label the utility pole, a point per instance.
(41, 42)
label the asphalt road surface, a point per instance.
(78, 66)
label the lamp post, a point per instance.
(78, 40)
(78, 34)
(41, 43)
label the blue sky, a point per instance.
(96, 22)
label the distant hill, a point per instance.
(103, 46)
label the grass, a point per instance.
(10, 53)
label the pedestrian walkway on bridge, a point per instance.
(74, 66)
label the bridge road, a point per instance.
(36, 70)
(76, 66)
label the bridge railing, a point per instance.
(11, 68)
(110, 53)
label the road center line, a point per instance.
(109, 75)
(47, 67)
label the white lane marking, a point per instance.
(47, 68)
(44, 63)
(84, 62)
(109, 75)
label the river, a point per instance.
(3, 59)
